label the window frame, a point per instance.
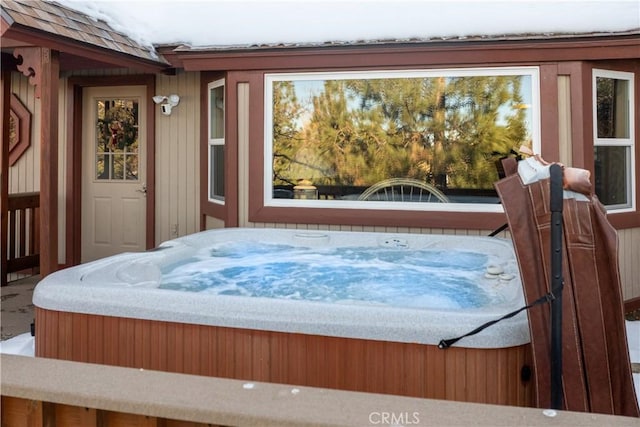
(213, 142)
(269, 201)
(629, 142)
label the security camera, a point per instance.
(166, 102)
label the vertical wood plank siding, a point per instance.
(629, 248)
(177, 158)
(243, 153)
(564, 121)
(462, 374)
(24, 175)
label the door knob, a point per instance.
(143, 190)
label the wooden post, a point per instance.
(4, 174)
(49, 82)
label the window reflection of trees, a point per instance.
(445, 131)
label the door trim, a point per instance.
(75, 86)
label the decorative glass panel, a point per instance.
(116, 145)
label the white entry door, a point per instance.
(113, 170)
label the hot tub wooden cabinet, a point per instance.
(114, 311)
(462, 374)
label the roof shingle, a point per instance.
(53, 18)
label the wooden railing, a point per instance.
(45, 392)
(23, 242)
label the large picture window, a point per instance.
(216, 141)
(388, 139)
(614, 139)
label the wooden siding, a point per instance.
(629, 261)
(460, 374)
(177, 158)
(24, 176)
(564, 120)
(243, 154)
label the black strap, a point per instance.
(550, 296)
(499, 229)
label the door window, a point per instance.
(116, 146)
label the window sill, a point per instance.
(384, 218)
(623, 220)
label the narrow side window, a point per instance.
(216, 141)
(613, 136)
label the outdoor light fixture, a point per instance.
(166, 102)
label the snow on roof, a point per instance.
(201, 23)
(73, 25)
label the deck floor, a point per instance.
(16, 305)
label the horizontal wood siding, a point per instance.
(462, 374)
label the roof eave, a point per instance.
(5, 23)
(525, 38)
(433, 52)
(63, 44)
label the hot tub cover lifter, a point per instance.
(595, 359)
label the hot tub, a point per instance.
(349, 310)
